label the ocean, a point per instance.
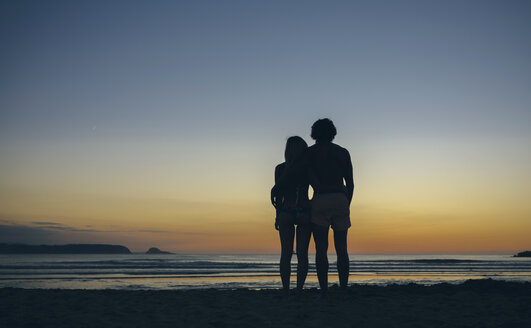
(177, 271)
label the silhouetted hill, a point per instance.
(523, 254)
(155, 250)
(63, 249)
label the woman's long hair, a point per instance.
(295, 146)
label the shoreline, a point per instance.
(485, 303)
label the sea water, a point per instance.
(178, 271)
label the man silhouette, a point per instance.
(329, 170)
(330, 174)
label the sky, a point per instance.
(160, 123)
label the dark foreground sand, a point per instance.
(476, 303)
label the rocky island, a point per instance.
(63, 249)
(155, 250)
(523, 254)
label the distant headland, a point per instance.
(63, 249)
(523, 254)
(155, 250)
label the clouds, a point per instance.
(49, 232)
(40, 232)
(24, 234)
(56, 226)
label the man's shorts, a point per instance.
(331, 210)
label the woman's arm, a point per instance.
(276, 198)
(275, 194)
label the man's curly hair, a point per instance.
(323, 130)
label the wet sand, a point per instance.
(475, 303)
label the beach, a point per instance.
(474, 303)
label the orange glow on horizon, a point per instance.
(433, 204)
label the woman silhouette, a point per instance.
(293, 209)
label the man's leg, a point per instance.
(340, 242)
(320, 236)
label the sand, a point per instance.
(475, 303)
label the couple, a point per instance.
(328, 169)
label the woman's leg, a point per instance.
(303, 241)
(320, 236)
(287, 234)
(340, 242)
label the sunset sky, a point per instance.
(160, 123)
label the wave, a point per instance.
(161, 264)
(198, 271)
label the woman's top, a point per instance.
(294, 195)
